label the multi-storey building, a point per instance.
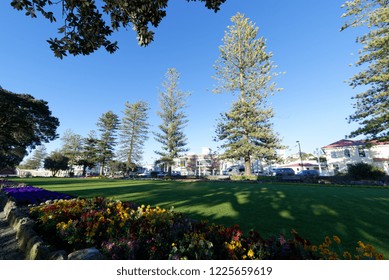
(344, 152)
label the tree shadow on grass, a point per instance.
(314, 211)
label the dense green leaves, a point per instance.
(171, 136)
(86, 28)
(372, 105)
(244, 67)
(25, 123)
(56, 162)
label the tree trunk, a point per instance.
(247, 166)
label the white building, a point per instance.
(344, 152)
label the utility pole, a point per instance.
(301, 158)
(318, 159)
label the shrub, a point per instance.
(244, 177)
(364, 171)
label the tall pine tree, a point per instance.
(172, 103)
(244, 68)
(108, 125)
(372, 105)
(134, 133)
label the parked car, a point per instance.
(283, 172)
(309, 173)
(234, 170)
(145, 174)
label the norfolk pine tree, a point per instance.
(372, 105)
(108, 125)
(134, 133)
(89, 154)
(36, 160)
(172, 102)
(244, 68)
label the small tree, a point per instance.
(171, 136)
(244, 67)
(56, 162)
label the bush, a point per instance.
(364, 171)
(244, 177)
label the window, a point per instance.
(347, 153)
(333, 155)
(361, 152)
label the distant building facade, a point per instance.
(344, 152)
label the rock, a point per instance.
(86, 254)
(58, 255)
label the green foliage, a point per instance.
(86, 27)
(88, 157)
(25, 123)
(134, 131)
(72, 145)
(371, 106)
(244, 177)
(36, 160)
(172, 102)
(364, 171)
(55, 162)
(244, 67)
(108, 125)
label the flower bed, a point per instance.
(24, 195)
(124, 231)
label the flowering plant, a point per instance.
(32, 195)
(122, 230)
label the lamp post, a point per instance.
(301, 158)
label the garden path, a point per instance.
(9, 249)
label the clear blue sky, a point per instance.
(303, 36)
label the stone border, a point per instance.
(32, 245)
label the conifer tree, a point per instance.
(108, 125)
(172, 102)
(134, 133)
(36, 160)
(244, 68)
(372, 105)
(90, 152)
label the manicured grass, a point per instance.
(352, 213)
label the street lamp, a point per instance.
(301, 158)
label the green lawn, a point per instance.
(352, 213)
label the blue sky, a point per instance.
(303, 36)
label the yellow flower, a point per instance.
(328, 240)
(250, 253)
(336, 239)
(347, 255)
(314, 248)
(360, 243)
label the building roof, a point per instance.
(345, 143)
(350, 143)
